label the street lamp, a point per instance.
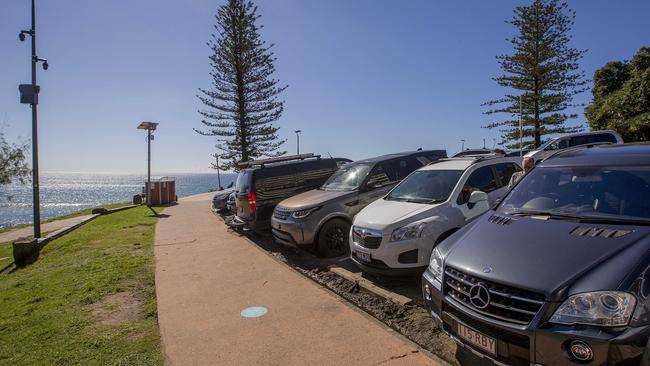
(298, 141)
(29, 95)
(149, 126)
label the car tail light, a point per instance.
(252, 203)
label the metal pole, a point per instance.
(298, 143)
(148, 167)
(462, 145)
(218, 175)
(35, 186)
(521, 128)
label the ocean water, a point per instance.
(65, 193)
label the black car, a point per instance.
(559, 272)
(264, 183)
(220, 200)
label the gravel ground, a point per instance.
(411, 320)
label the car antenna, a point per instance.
(328, 153)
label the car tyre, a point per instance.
(333, 238)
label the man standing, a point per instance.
(528, 163)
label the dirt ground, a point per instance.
(411, 320)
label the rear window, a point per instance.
(243, 181)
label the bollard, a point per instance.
(26, 251)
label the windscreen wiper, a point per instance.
(551, 215)
(613, 220)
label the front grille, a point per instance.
(367, 238)
(281, 213)
(506, 303)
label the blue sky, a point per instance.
(365, 77)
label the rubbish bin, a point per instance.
(162, 191)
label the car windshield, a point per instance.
(347, 178)
(613, 194)
(426, 186)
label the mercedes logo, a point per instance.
(479, 296)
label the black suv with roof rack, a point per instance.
(261, 184)
(559, 272)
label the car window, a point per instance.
(505, 171)
(594, 138)
(347, 178)
(314, 173)
(271, 181)
(606, 137)
(383, 174)
(407, 166)
(482, 179)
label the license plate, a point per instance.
(365, 257)
(477, 339)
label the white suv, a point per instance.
(572, 140)
(396, 234)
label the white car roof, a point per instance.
(461, 163)
(450, 164)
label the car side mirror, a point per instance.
(476, 197)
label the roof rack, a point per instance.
(262, 162)
(474, 158)
(585, 146)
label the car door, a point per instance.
(481, 179)
(382, 177)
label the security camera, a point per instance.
(21, 36)
(45, 65)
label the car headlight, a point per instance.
(301, 214)
(603, 308)
(410, 231)
(435, 264)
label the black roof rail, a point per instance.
(573, 148)
(262, 162)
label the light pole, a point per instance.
(29, 95)
(149, 126)
(521, 127)
(298, 141)
(216, 156)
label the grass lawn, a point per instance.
(87, 211)
(89, 299)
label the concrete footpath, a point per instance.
(47, 227)
(206, 275)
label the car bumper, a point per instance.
(408, 256)
(544, 344)
(293, 233)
